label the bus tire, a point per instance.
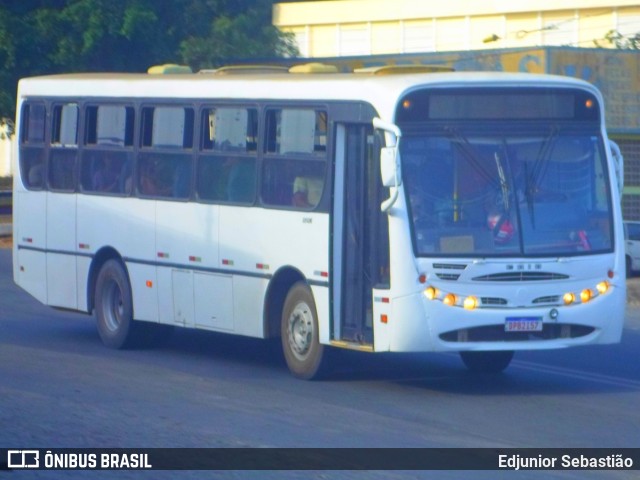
(300, 335)
(114, 306)
(487, 362)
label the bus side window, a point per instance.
(106, 160)
(164, 169)
(227, 162)
(62, 169)
(105, 171)
(293, 183)
(227, 179)
(64, 147)
(295, 165)
(32, 166)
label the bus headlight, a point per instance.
(585, 295)
(602, 287)
(470, 303)
(431, 293)
(568, 298)
(449, 299)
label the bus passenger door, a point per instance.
(360, 237)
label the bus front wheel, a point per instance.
(114, 306)
(300, 335)
(487, 362)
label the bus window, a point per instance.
(301, 135)
(33, 123)
(109, 125)
(64, 152)
(164, 170)
(167, 127)
(106, 171)
(164, 176)
(65, 125)
(227, 179)
(62, 169)
(292, 183)
(32, 145)
(296, 131)
(227, 164)
(107, 159)
(230, 129)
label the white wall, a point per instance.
(6, 149)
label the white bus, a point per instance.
(380, 211)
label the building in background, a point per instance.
(543, 36)
(373, 27)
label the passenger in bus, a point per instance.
(106, 178)
(307, 191)
(150, 181)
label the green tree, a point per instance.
(52, 36)
(239, 32)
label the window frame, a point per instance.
(56, 148)
(40, 146)
(95, 149)
(270, 156)
(214, 155)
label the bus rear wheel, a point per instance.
(487, 362)
(300, 335)
(114, 306)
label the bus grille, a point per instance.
(452, 276)
(521, 277)
(493, 301)
(548, 299)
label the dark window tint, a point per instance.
(32, 167)
(64, 152)
(295, 183)
(32, 153)
(62, 164)
(167, 176)
(227, 179)
(33, 122)
(106, 172)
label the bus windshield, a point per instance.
(512, 187)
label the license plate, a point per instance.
(523, 324)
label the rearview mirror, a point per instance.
(389, 167)
(618, 160)
(389, 161)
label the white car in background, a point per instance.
(632, 246)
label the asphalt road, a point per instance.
(59, 387)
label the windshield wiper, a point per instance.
(504, 185)
(542, 160)
(464, 146)
(540, 165)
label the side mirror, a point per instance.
(390, 171)
(618, 160)
(389, 167)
